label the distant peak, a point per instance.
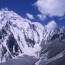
(4, 9)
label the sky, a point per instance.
(46, 12)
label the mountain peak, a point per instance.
(19, 35)
(4, 9)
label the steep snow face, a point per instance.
(53, 53)
(19, 35)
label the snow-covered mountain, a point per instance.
(20, 36)
(53, 53)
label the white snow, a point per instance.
(22, 28)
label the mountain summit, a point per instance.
(21, 36)
(18, 35)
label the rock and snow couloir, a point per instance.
(21, 36)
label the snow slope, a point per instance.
(19, 35)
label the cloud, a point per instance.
(51, 7)
(41, 17)
(30, 16)
(51, 25)
(4, 9)
(61, 18)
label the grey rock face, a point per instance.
(54, 51)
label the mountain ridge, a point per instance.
(21, 36)
(18, 32)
